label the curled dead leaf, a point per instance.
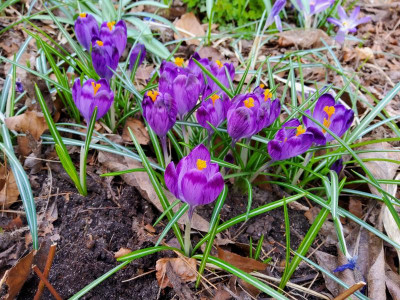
(188, 26)
(303, 38)
(138, 129)
(245, 264)
(184, 268)
(31, 121)
(121, 252)
(8, 188)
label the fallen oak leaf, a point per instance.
(8, 188)
(303, 38)
(188, 26)
(138, 129)
(185, 268)
(30, 121)
(245, 264)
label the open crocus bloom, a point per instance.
(105, 57)
(347, 23)
(333, 116)
(160, 111)
(195, 180)
(212, 110)
(115, 33)
(86, 28)
(291, 140)
(90, 95)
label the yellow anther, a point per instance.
(110, 25)
(214, 98)
(153, 95)
(82, 15)
(96, 87)
(330, 110)
(179, 61)
(249, 102)
(326, 123)
(267, 95)
(201, 164)
(100, 43)
(300, 130)
(345, 23)
(218, 62)
(261, 85)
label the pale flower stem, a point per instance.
(82, 169)
(167, 159)
(188, 228)
(244, 152)
(186, 139)
(299, 172)
(112, 117)
(261, 170)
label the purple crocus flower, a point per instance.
(139, 49)
(248, 114)
(333, 116)
(86, 28)
(183, 86)
(195, 180)
(195, 69)
(337, 166)
(315, 6)
(274, 14)
(218, 69)
(90, 95)
(291, 140)
(160, 111)
(115, 34)
(347, 23)
(19, 87)
(212, 110)
(105, 57)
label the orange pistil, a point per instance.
(201, 164)
(100, 43)
(153, 95)
(179, 61)
(300, 130)
(82, 15)
(267, 95)
(218, 62)
(110, 25)
(330, 111)
(214, 98)
(96, 87)
(249, 102)
(261, 85)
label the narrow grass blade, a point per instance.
(166, 211)
(172, 222)
(118, 173)
(249, 197)
(259, 247)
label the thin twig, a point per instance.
(47, 283)
(354, 288)
(49, 262)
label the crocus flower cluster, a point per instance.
(108, 42)
(92, 94)
(294, 138)
(347, 23)
(195, 180)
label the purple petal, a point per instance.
(335, 22)
(241, 123)
(119, 36)
(85, 29)
(340, 36)
(212, 189)
(297, 145)
(278, 23)
(171, 179)
(342, 14)
(323, 101)
(199, 152)
(354, 13)
(192, 187)
(362, 21)
(319, 137)
(275, 149)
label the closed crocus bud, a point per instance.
(184, 88)
(195, 180)
(139, 49)
(271, 109)
(104, 56)
(90, 95)
(86, 28)
(291, 140)
(333, 116)
(115, 34)
(245, 116)
(212, 110)
(337, 166)
(218, 70)
(160, 111)
(195, 69)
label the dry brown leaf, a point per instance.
(191, 27)
(121, 252)
(8, 188)
(328, 262)
(31, 121)
(184, 268)
(355, 207)
(141, 181)
(245, 264)
(17, 275)
(365, 53)
(303, 38)
(138, 129)
(376, 275)
(393, 283)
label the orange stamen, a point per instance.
(261, 85)
(300, 130)
(330, 110)
(110, 25)
(214, 98)
(218, 62)
(201, 164)
(100, 43)
(249, 102)
(95, 87)
(153, 95)
(179, 61)
(82, 15)
(326, 123)
(267, 95)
